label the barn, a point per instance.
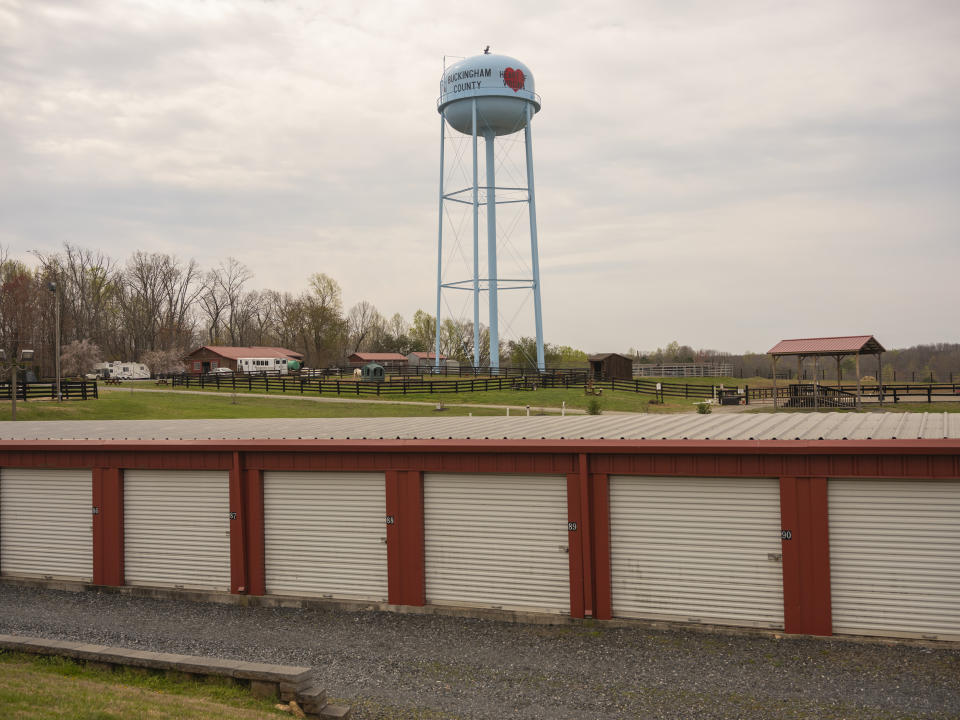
(821, 524)
(210, 357)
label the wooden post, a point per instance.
(880, 377)
(774, 382)
(838, 371)
(858, 379)
(816, 380)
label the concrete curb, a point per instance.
(266, 681)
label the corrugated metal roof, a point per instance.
(733, 426)
(235, 352)
(814, 346)
(379, 356)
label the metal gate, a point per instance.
(325, 534)
(46, 527)
(895, 557)
(177, 528)
(697, 549)
(497, 541)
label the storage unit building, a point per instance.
(809, 523)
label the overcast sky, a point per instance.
(725, 174)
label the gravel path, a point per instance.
(418, 666)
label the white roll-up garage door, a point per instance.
(176, 527)
(497, 541)
(325, 534)
(697, 549)
(895, 557)
(46, 525)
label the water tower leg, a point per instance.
(534, 252)
(436, 360)
(476, 249)
(492, 254)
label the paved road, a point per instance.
(415, 666)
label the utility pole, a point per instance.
(52, 286)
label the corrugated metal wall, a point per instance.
(177, 528)
(895, 557)
(497, 541)
(46, 526)
(697, 549)
(325, 534)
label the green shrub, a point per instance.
(593, 407)
(704, 408)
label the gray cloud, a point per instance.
(722, 174)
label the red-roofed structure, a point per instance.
(846, 345)
(210, 357)
(359, 359)
(835, 347)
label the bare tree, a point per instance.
(363, 321)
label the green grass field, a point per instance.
(34, 687)
(551, 399)
(161, 405)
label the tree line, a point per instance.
(155, 308)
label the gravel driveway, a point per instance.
(419, 666)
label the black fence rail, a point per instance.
(69, 390)
(336, 385)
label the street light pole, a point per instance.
(56, 303)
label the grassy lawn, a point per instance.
(52, 687)
(162, 405)
(541, 399)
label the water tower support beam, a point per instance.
(476, 249)
(436, 360)
(492, 254)
(534, 251)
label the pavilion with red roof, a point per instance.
(835, 347)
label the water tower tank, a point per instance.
(503, 87)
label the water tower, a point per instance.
(489, 96)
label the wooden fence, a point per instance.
(69, 390)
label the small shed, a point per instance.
(373, 371)
(611, 366)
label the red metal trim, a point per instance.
(406, 567)
(575, 514)
(585, 533)
(600, 539)
(806, 556)
(238, 544)
(908, 463)
(254, 532)
(108, 526)
(945, 446)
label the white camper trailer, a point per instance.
(258, 365)
(122, 370)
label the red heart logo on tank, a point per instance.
(514, 79)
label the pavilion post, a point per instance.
(880, 377)
(858, 381)
(774, 382)
(816, 381)
(838, 371)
